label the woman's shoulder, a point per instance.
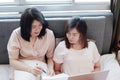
(61, 48)
(49, 31)
(61, 43)
(91, 43)
(16, 31)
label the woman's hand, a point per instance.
(97, 66)
(36, 71)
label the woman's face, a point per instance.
(73, 36)
(36, 28)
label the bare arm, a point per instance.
(57, 68)
(50, 66)
(97, 66)
(50, 63)
(18, 65)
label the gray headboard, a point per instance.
(99, 29)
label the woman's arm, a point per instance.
(50, 66)
(96, 56)
(57, 68)
(18, 65)
(97, 66)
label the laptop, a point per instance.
(101, 75)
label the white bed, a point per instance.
(108, 62)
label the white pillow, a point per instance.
(106, 59)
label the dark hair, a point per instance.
(29, 15)
(81, 27)
(116, 45)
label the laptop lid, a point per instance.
(100, 75)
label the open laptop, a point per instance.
(101, 75)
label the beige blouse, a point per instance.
(18, 48)
(76, 62)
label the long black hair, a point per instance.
(29, 15)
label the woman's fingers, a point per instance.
(37, 70)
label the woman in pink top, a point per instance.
(75, 55)
(31, 47)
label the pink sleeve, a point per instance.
(13, 46)
(96, 54)
(58, 54)
(50, 51)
